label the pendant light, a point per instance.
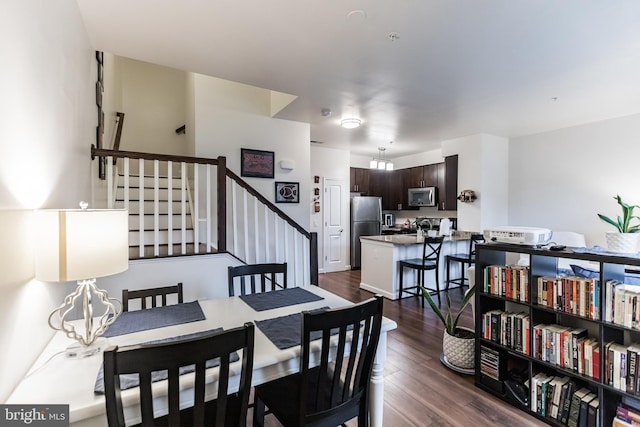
(381, 163)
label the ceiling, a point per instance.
(455, 67)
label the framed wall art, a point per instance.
(287, 192)
(256, 163)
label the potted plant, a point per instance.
(627, 237)
(458, 343)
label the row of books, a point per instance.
(509, 281)
(622, 304)
(490, 362)
(560, 399)
(567, 347)
(621, 367)
(511, 330)
(570, 294)
(626, 416)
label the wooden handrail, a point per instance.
(242, 183)
(96, 152)
(116, 142)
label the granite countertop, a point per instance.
(411, 239)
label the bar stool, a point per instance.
(430, 261)
(464, 259)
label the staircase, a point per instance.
(193, 205)
(173, 215)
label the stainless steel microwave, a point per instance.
(425, 196)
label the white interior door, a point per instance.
(334, 240)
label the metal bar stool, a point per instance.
(430, 261)
(464, 259)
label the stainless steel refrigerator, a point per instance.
(366, 220)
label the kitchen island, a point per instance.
(380, 256)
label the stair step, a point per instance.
(163, 221)
(163, 237)
(134, 251)
(149, 193)
(163, 208)
(148, 181)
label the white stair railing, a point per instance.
(181, 199)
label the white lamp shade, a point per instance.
(373, 164)
(389, 166)
(80, 244)
(381, 165)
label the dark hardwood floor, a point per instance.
(418, 389)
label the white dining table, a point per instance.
(58, 379)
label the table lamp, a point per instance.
(81, 245)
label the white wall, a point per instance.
(562, 179)
(230, 116)
(330, 163)
(48, 117)
(202, 277)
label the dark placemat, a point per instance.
(157, 317)
(132, 380)
(284, 332)
(280, 298)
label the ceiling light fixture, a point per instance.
(380, 163)
(350, 123)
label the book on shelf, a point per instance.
(628, 415)
(574, 408)
(575, 295)
(593, 412)
(557, 393)
(622, 304)
(565, 401)
(509, 281)
(508, 329)
(584, 409)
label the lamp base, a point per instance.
(79, 351)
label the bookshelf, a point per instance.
(556, 333)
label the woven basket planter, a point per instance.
(459, 352)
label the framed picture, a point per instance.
(256, 163)
(287, 192)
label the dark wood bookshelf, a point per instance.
(544, 262)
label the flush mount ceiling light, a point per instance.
(350, 123)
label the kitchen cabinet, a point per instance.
(359, 180)
(395, 193)
(448, 184)
(423, 176)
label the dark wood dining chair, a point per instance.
(331, 388)
(430, 260)
(253, 278)
(464, 259)
(152, 295)
(228, 409)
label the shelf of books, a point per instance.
(562, 347)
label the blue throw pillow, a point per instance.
(585, 272)
(631, 279)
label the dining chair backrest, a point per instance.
(254, 278)
(228, 409)
(151, 297)
(431, 249)
(473, 240)
(335, 386)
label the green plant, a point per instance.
(448, 320)
(623, 224)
